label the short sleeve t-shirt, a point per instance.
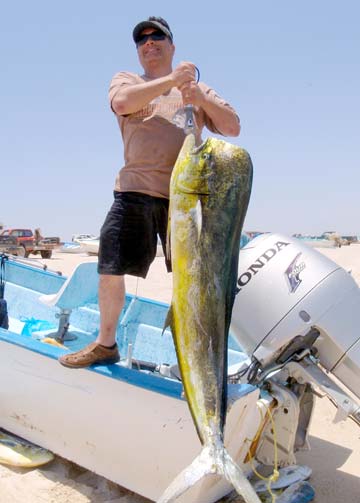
(151, 138)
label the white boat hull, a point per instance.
(134, 436)
(90, 246)
(71, 248)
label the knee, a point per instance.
(112, 285)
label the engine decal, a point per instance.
(292, 273)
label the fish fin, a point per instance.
(168, 236)
(198, 218)
(205, 464)
(235, 475)
(168, 320)
(199, 468)
(196, 215)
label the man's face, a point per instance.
(155, 50)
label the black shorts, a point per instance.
(128, 237)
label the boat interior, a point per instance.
(51, 314)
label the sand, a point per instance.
(335, 448)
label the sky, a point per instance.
(290, 69)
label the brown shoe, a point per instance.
(93, 353)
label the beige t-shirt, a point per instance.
(151, 139)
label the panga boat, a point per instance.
(71, 247)
(89, 245)
(318, 241)
(128, 422)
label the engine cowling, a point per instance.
(285, 288)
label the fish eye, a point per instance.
(206, 156)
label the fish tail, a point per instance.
(199, 468)
(235, 475)
(203, 465)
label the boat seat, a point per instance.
(80, 288)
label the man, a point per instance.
(145, 107)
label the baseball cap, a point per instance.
(152, 22)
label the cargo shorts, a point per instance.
(129, 235)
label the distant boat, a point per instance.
(88, 245)
(244, 239)
(70, 247)
(318, 242)
(79, 237)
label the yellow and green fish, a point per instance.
(15, 451)
(209, 195)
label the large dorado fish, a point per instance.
(209, 194)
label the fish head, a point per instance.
(214, 168)
(192, 168)
(209, 191)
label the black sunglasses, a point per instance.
(155, 35)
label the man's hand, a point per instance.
(192, 94)
(184, 79)
(184, 72)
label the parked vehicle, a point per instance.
(9, 244)
(22, 242)
(350, 239)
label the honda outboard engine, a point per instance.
(292, 304)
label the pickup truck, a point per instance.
(22, 242)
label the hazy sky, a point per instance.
(291, 70)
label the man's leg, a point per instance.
(119, 254)
(111, 302)
(104, 350)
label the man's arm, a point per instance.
(223, 117)
(132, 98)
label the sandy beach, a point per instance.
(335, 448)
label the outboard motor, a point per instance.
(295, 305)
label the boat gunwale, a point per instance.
(144, 379)
(157, 383)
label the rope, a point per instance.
(275, 475)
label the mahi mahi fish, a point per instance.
(209, 195)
